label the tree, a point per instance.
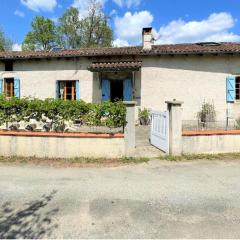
(5, 43)
(95, 27)
(92, 30)
(69, 29)
(43, 35)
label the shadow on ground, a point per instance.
(33, 221)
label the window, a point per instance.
(9, 87)
(8, 66)
(113, 90)
(117, 86)
(237, 88)
(67, 90)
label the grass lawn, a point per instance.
(191, 157)
(72, 162)
(110, 162)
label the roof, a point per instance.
(115, 66)
(197, 48)
(170, 49)
(82, 52)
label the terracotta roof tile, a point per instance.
(225, 48)
(98, 66)
(200, 48)
(83, 52)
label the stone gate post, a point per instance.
(129, 130)
(175, 127)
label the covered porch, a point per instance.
(118, 80)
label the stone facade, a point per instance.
(191, 79)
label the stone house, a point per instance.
(148, 74)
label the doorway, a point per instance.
(116, 90)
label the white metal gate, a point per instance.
(160, 130)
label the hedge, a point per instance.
(58, 111)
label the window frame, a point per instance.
(64, 94)
(6, 81)
(237, 88)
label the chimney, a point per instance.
(147, 38)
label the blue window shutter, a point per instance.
(230, 88)
(57, 90)
(127, 90)
(77, 90)
(105, 90)
(16, 87)
(1, 85)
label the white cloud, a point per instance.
(120, 43)
(17, 47)
(215, 28)
(127, 3)
(129, 27)
(40, 5)
(19, 13)
(82, 6)
(223, 37)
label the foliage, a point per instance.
(12, 111)
(96, 31)
(104, 114)
(135, 160)
(43, 35)
(59, 111)
(144, 116)
(207, 113)
(237, 123)
(90, 30)
(196, 157)
(73, 162)
(5, 43)
(70, 29)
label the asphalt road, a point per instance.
(155, 200)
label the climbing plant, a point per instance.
(58, 111)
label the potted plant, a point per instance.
(144, 116)
(207, 113)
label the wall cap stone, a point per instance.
(210, 132)
(57, 134)
(130, 103)
(174, 102)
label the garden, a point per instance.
(56, 115)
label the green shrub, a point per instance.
(144, 116)
(58, 111)
(237, 123)
(207, 113)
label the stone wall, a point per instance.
(61, 145)
(198, 142)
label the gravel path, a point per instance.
(154, 200)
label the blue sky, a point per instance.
(174, 21)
